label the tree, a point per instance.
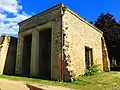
(111, 32)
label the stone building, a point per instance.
(8, 46)
(58, 44)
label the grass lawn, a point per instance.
(102, 81)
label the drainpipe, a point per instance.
(62, 55)
(62, 70)
(63, 9)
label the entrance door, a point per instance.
(26, 55)
(45, 54)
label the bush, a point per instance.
(92, 70)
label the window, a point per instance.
(88, 57)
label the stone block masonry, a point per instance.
(79, 34)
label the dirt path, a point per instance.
(19, 85)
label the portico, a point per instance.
(39, 46)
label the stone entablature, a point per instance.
(49, 15)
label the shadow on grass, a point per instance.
(46, 82)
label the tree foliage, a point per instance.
(111, 32)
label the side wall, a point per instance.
(11, 57)
(8, 46)
(106, 63)
(3, 53)
(77, 35)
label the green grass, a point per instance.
(102, 81)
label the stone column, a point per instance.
(34, 54)
(18, 68)
(56, 50)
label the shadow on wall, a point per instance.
(9, 65)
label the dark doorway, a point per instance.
(45, 54)
(26, 55)
(88, 57)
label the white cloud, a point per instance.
(18, 18)
(2, 17)
(11, 6)
(11, 28)
(9, 25)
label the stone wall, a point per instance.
(77, 34)
(7, 54)
(106, 62)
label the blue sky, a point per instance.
(14, 11)
(88, 9)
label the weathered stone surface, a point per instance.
(77, 34)
(106, 63)
(8, 46)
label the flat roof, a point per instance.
(61, 5)
(43, 12)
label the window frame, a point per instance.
(88, 57)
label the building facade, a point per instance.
(58, 44)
